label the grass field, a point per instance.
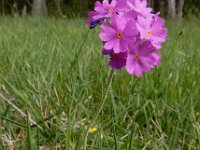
(46, 104)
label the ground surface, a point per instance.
(161, 110)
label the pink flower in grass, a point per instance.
(118, 34)
(152, 29)
(131, 34)
(117, 60)
(141, 58)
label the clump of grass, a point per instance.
(158, 111)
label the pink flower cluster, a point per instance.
(131, 34)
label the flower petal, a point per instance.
(138, 69)
(117, 63)
(106, 28)
(99, 7)
(146, 48)
(106, 36)
(130, 64)
(111, 44)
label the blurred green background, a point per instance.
(75, 8)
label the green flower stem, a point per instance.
(109, 82)
(79, 51)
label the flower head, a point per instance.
(131, 34)
(118, 34)
(152, 29)
(141, 58)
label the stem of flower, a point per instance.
(109, 82)
(79, 51)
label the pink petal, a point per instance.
(158, 39)
(146, 48)
(113, 3)
(138, 69)
(123, 45)
(106, 28)
(157, 45)
(135, 46)
(142, 31)
(145, 66)
(130, 5)
(99, 7)
(106, 4)
(118, 22)
(130, 28)
(117, 47)
(128, 40)
(106, 36)
(157, 58)
(159, 31)
(130, 64)
(111, 44)
(100, 10)
(144, 4)
(147, 60)
(121, 4)
(143, 23)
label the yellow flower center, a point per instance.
(136, 57)
(119, 35)
(110, 10)
(115, 56)
(149, 32)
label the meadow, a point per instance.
(47, 103)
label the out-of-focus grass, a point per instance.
(161, 110)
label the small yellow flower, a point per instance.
(92, 130)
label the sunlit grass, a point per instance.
(161, 110)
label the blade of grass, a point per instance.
(14, 122)
(29, 136)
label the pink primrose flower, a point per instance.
(141, 58)
(152, 29)
(118, 34)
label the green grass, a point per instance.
(161, 110)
